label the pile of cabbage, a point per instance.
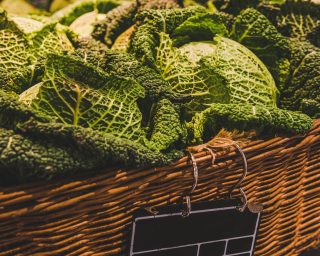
(104, 83)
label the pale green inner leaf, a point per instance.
(249, 80)
(183, 75)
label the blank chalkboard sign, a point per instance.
(212, 229)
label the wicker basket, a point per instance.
(92, 215)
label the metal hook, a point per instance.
(213, 159)
(186, 212)
(195, 173)
(238, 184)
(187, 198)
(152, 210)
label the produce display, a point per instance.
(102, 83)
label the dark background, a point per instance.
(312, 252)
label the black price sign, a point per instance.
(212, 229)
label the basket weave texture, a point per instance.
(92, 215)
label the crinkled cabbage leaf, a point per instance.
(76, 93)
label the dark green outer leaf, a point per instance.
(200, 27)
(255, 31)
(245, 117)
(166, 128)
(302, 92)
(45, 151)
(126, 65)
(152, 22)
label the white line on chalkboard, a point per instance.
(198, 251)
(225, 248)
(255, 233)
(194, 244)
(238, 253)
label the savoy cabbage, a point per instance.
(210, 71)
